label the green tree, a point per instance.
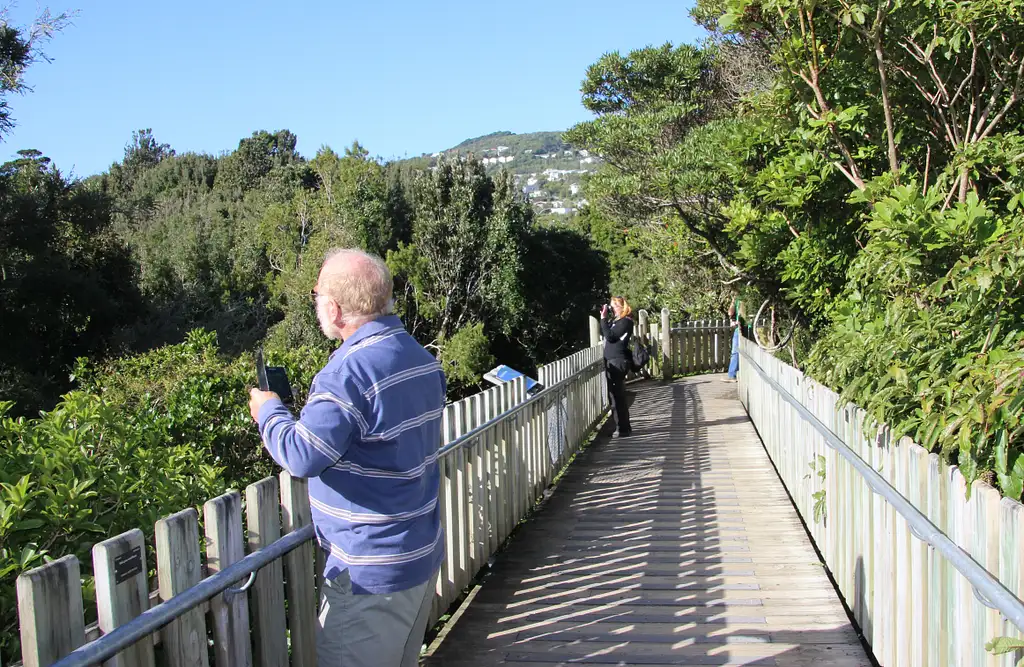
(464, 260)
(20, 47)
(65, 282)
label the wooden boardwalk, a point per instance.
(677, 546)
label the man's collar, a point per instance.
(371, 328)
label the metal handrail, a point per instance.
(987, 589)
(153, 619)
(465, 439)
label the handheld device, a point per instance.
(273, 378)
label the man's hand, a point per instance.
(256, 400)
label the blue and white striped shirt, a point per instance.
(368, 439)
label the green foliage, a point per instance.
(200, 396)
(820, 503)
(65, 280)
(656, 129)
(81, 473)
(1004, 645)
(564, 281)
(466, 356)
(464, 260)
(928, 336)
(871, 190)
(20, 46)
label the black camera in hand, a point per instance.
(273, 378)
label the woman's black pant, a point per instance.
(615, 373)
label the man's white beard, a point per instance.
(328, 329)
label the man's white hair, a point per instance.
(359, 282)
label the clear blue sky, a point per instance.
(402, 77)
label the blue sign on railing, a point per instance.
(502, 374)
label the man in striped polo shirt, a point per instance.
(367, 439)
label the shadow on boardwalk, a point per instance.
(677, 546)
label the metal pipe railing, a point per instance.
(153, 619)
(989, 590)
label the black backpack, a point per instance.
(641, 355)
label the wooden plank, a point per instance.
(961, 596)
(920, 609)
(489, 443)
(463, 531)
(479, 500)
(230, 614)
(179, 568)
(937, 565)
(985, 550)
(263, 519)
(1011, 531)
(50, 611)
(902, 570)
(122, 592)
(299, 576)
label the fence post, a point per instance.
(644, 326)
(122, 592)
(224, 547)
(666, 345)
(178, 568)
(263, 511)
(51, 612)
(655, 343)
(595, 331)
(300, 578)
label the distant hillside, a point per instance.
(547, 169)
(532, 152)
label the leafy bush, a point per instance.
(145, 436)
(202, 395)
(82, 473)
(929, 336)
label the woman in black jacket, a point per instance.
(617, 328)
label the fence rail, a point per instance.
(919, 564)
(499, 450)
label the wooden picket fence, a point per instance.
(688, 348)
(489, 481)
(912, 605)
(50, 597)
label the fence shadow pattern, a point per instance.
(677, 546)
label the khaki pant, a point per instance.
(371, 630)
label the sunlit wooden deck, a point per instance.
(677, 546)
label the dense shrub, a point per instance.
(145, 436)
